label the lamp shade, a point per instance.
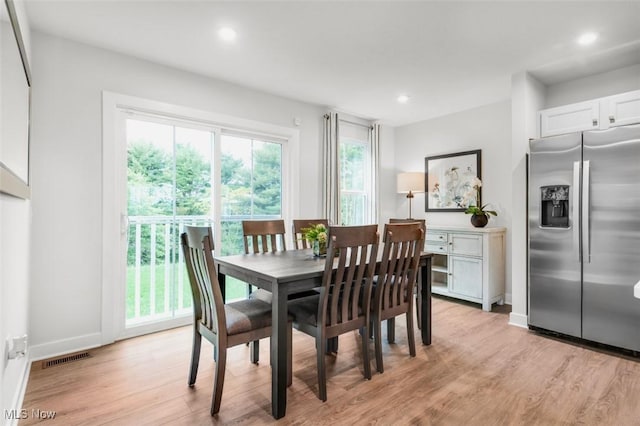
(410, 181)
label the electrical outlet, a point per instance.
(16, 347)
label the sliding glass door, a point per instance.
(188, 174)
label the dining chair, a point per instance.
(396, 280)
(262, 236)
(390, 324)
(299, 242)
(224, 325)
(345, 296)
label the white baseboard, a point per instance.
(519, 320)
(507, 299)
(65, 346)
(18, 397)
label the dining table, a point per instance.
(286, 273)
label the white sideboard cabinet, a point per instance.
(597, 114)
(468, 263)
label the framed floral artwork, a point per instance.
(450, 180)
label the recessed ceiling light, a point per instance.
(227, 34)
(587, 38)
(403, 99)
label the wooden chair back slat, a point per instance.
(299, 242)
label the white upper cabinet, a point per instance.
(624, 109)
(569, 118)
(602, 113)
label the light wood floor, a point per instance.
(478, 371)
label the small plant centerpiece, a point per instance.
(317, 235)
(480, 214)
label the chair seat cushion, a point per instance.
(247, 315)
(305, 310)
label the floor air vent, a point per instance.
(65, 359)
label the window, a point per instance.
(356, 170)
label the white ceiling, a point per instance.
(358, 56)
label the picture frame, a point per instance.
(449, 181)
(16, 106)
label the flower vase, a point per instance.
(479, 220)
(319, 248)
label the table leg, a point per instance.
(279, 319)
(425, 314)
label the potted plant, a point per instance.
(317, 235)
(480, 215)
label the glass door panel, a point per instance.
(168, 185)
(251, 188)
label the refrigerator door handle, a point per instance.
(575, 209)
(586, 243)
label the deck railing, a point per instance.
(157, 281)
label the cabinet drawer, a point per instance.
(466, 244)
(434, 247)
(435, 236)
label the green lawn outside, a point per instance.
(235, 290)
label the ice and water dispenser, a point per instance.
(554, 202)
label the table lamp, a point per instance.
(410, 183)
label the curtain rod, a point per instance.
(370, 126)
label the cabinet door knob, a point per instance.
(612, 119)
(595, 122)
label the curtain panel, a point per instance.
(374, 139)
(331, 174)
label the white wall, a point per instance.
(67, 144)
(487, 128)
(527, 98)
(15, 226)
(387, 175)
(594, 86)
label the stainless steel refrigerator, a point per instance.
(584, 235)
